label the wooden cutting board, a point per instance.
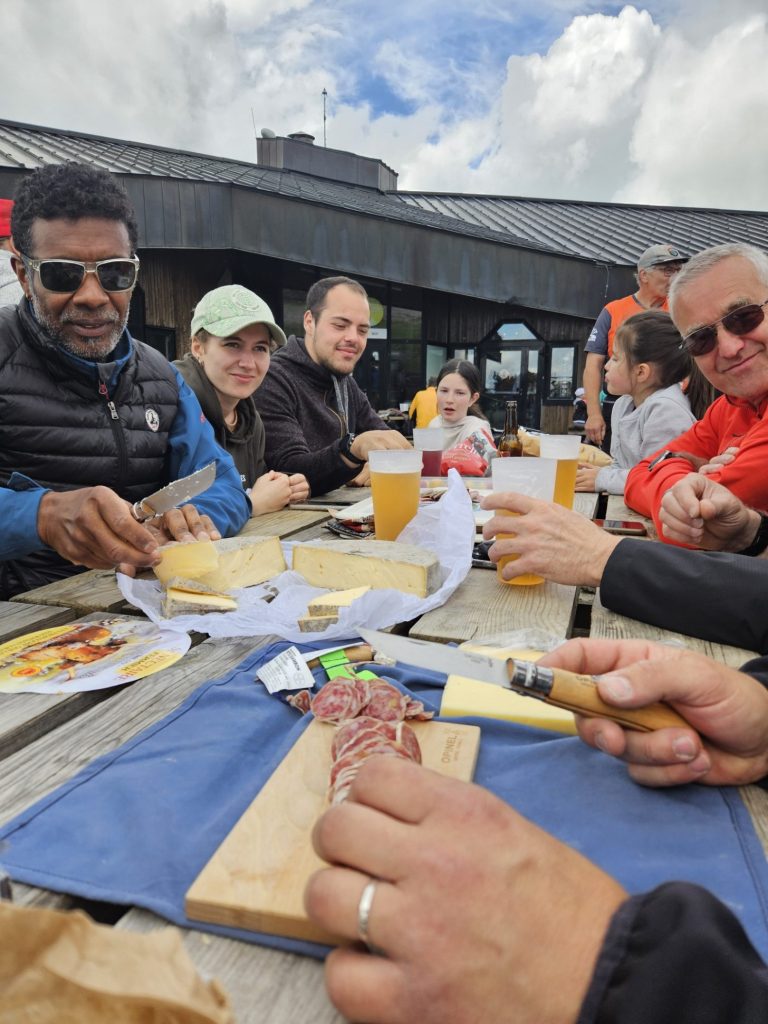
(256, 878)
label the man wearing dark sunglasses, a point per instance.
(718, 302)
(90, 420)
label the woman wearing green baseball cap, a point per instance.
(233, 335)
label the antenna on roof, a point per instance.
(255, 137)
(325, 97)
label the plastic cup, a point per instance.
(564, 448)
(534, 477)
(395, 488)
(430, 441)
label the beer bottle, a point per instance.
(510, 443)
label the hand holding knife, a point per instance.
(564, 689)
(174, 494)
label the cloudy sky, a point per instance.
(662, 103)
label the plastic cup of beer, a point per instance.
(534, 477)
(564, 448)
(395, 488)
(430, 441)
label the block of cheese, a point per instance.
(331, 604)
(223, 564)
(463, 696)
(374, 563)
(316, 623)
(186, 561)
(179, 601)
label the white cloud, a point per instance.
(660, 105)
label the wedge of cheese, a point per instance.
(192, 602)
(374, 563)
(331, 604)
(316, 623)
(223, 565)
(463, 696)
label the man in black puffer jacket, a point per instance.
(90, 420)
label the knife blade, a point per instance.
(175, 493)
(569, 690)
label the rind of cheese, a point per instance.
(463, 696)
(316, 623)
(186, 561)
(375, 563)
(331, 604)
(244, 562)
(222, 565)
(186, 602)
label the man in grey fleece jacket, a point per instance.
(317, 420)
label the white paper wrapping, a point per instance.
(445, 527)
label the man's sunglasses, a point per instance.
(67, 275)
(738, 321)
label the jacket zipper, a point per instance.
(117, 431)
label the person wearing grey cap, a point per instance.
(233, 336)
(656, 268)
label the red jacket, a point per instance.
(725, 424)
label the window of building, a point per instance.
(561, 380)
(406, 324)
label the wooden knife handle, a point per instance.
(578, 693)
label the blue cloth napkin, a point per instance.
(138, 825)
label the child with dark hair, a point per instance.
(458, 392)
(646, 369)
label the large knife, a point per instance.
(175, 494)
(569, 690)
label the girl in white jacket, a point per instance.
(646, 369)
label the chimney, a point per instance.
(297, 152)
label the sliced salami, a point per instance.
(386, 702)
(301, 700)
(337, 701)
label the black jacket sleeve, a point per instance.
(676, 956)
(709, 594)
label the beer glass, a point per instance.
(395, 488)
(430, 441)
(534, 477)
(564, 448)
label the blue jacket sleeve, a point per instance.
(192, 446)
(19, 504)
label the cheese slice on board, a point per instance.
(222, 564)
(331, 604)
(189, 602)
(463, 696)
(374, 563)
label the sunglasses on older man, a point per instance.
(117, 275)
(739, 321)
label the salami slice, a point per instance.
(301, 700)
(416, 710)
(386, 701)
(337, 701)
(347, 732)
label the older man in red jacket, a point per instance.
(718, 302)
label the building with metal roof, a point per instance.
(513, 283)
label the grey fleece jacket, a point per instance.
(303, 424)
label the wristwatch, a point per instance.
(760, 543)
(662, 457)
(345, 449)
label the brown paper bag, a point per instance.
(61, 968)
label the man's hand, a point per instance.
(586, 476)
(183, 524)
(594, 428)
(457, 914)
(552, 541)
(299, 487)
(92, 526)
(703, 513)
(723, 459)
(376, 440)
(727, 743)
(363, 478)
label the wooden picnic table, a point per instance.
(44, 741)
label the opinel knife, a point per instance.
(174, 494)
(569, 690)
